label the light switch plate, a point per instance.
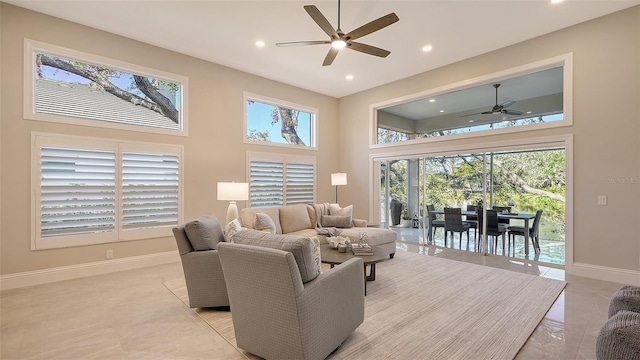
(602, 200)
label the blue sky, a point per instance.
(259, 118)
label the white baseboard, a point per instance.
(37, 277)
(623, 276)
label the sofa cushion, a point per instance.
(204, 233)
(265, 223)
(294, 218)
(339, 221)
(301, 248)
(248, 217)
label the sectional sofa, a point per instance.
(303, 220)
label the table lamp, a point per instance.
(232, 192)
(338, 179)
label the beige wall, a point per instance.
(606, 129)
(213, 151)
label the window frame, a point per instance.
(38, 140)
(284, 159)
(29, 103)
(313, 131)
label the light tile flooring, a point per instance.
(551, 251)
(131, 315)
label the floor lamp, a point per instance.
(338, 179)
(232, 192)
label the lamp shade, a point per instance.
(233, 191)
(338, 179)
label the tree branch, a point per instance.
(104, 83)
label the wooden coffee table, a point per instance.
(331, 256)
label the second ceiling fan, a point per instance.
(339, 40)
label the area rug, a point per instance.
(423, 307)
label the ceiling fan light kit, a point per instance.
(339, 40)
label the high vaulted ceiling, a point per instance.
(225, 32)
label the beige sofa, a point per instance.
(301, 220)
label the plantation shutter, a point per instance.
(266, 183)
(149, 190)
(300, 181)
(77, 191)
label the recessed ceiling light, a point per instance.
(556, 1)
(427, 48)
(432, 100)
(470, 120)
(441, 110)
(349, 77)
(528, 112)
(260, 43)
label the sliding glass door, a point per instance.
(522, 181)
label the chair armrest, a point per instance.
(359, 223)
(197, 264)
(333, 303)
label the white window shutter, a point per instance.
(266, 183)
(300, 183)
(77, 191)
(150, 189)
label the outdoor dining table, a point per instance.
(519, 216)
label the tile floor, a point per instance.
(131, 315)
(552, 251)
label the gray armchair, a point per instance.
(202, 273)
(276, 316)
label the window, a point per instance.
(67, 86)
(279, 123)
(280, 180)
(90, 191)
(529, 97)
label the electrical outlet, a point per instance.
(602, 200)
(109, 254)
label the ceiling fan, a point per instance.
(339, 40)
(500, 108)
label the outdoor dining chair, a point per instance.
(434, 223)
(494, 228)
(534, 232)
(453, 223)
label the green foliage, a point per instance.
(457, 181)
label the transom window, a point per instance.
(280, 123)
(95, 191)
(68, 86)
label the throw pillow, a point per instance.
(301, 247)
(204, 233)
(294, 218)
(335, 209)
(339, 221)
(232, 228)
(317, 254)
(265, 223)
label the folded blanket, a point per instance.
(323, 209)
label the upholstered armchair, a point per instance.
(277, 316)
(201, 264)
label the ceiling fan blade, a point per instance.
(372, 26)
(512, 112)
(297, 43)
(322, 21)
(506, 104)
(367, 49)
(471, 114)
(489, 112)
(331, 55)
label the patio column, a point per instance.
(413, 188)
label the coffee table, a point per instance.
(331, 256)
